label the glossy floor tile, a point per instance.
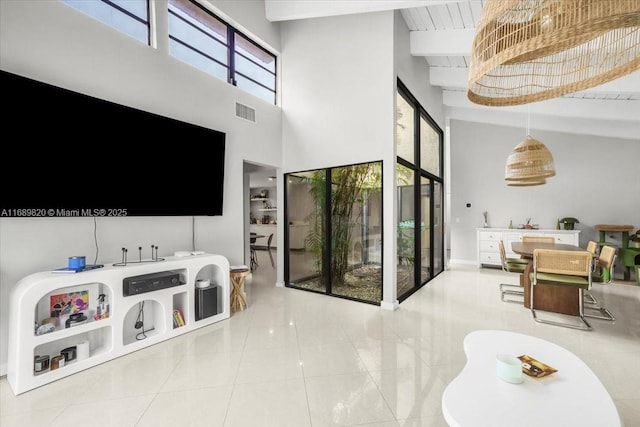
(299, 359)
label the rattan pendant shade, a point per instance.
(527, 182)
(530, 163)
(530, 50)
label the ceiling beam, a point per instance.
(285, 10)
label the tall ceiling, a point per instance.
(442, 31)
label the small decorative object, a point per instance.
(69, 303)
(558, 224)
(535, 368)
(102, 311)
(83, 350)
(569, 223)
(57, 362)
(509, 368)
(41, 363)
(75, 319)
(485, 214)
(510, 223)
(45, 328)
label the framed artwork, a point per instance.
(69, 303)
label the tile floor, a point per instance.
(299, 359)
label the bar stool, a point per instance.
(238, 299)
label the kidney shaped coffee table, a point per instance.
(572, 396)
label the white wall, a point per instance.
(597, 182)
(338, 102)
(337, 90)
(49, 41)
(413, 71)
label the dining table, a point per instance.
(557, 299)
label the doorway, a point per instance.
(260, 217)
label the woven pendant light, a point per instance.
(527, 182)
(530, 50)
(529, 163)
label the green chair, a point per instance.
(562, 268)
(511, 265)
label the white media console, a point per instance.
(120, 332)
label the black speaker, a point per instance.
(206, 302)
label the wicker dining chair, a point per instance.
(592, 247)
(511, 265)
(562, 268)
(538, 239)
(605, 260)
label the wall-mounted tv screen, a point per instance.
(76, 155)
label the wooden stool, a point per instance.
(238, 298)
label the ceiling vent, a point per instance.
(245, 112)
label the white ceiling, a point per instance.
(442, 32)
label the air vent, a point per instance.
(245, 112)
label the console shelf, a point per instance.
(32, 305)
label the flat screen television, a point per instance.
(76, 155)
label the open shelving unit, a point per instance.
(113, 336)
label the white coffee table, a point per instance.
(573, 396)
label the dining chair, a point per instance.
(592, 246)
(562, 268)
(511, 265)
(273, 264)
(605, 260)
(604, 263)
(254, 256)
(538, 239)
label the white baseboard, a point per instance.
(389, 306)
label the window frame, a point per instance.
(232, 72)
(146, 23)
